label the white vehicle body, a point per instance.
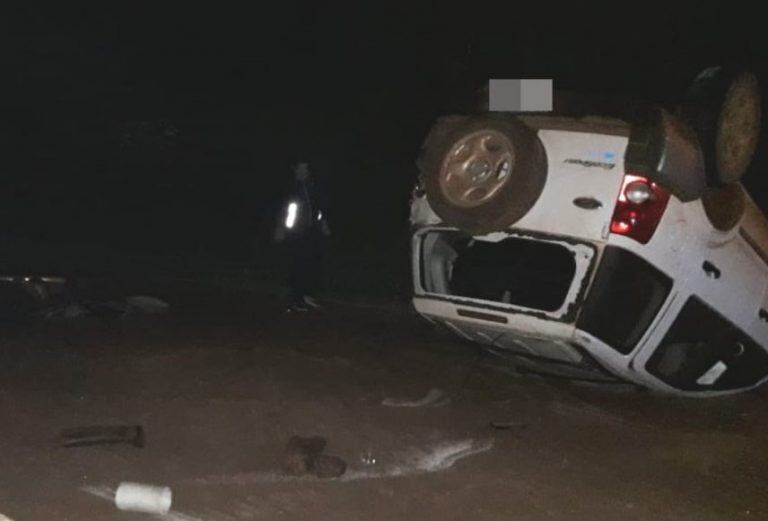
(698, 266)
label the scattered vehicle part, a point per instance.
(147, 304)
(663, 284)
(108, 493)
(434, 397)
(301, 453)
(304, 455)
(328, 466)
(140, 497)
(103, 434)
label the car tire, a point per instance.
(482, 173)
(724, 206)
(723, 108)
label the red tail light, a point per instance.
(639, 208)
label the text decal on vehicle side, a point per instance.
(590, 164)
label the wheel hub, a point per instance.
(479, 170)
(476, 167)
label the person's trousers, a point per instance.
(304, 268)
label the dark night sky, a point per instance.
(172, 129)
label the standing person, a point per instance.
(303, 229)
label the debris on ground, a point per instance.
(139, 497)
(108, 493)
(304, 455)
(368, 458)
(506, 425)
(415, 461)
(328, 466)
(300, 454)
(32, 297)
(409, 462)
(103, 434)
(108, 309)
(68, 311)
(147, 304)
(435, 397)
(444, 455)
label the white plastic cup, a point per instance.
(138, 497)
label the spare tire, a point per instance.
(482, 173)
(723, 108)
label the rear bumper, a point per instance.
(525, 334)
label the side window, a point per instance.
(625, 297)
(704, 351)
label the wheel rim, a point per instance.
(476, 167)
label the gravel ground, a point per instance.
(222, 381)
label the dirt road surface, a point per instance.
(221, 383)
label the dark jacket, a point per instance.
(301, 214)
